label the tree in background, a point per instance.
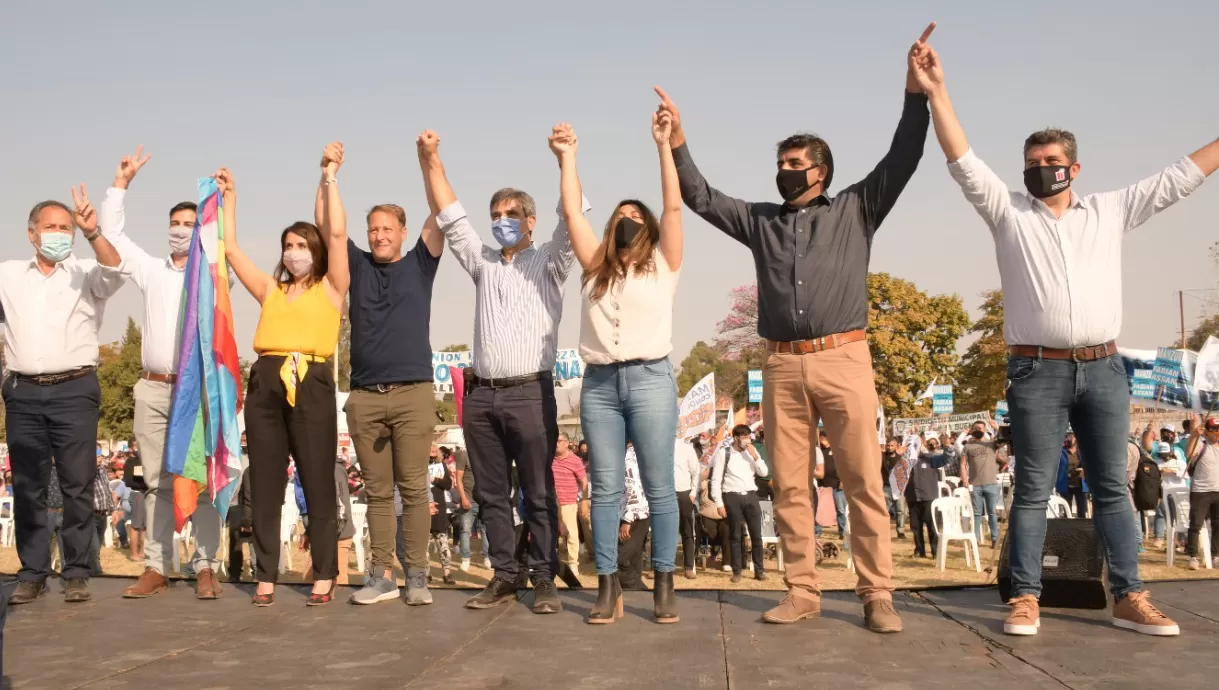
(118, 371)
(459, 347)
(738, 332)
(1197, 337)
(983, 371)
(243, 366)
(343, 383)
(702, 359)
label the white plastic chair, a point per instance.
(359, 519)
(1176, 518)
(1058, 507)
(945, 489)
(108, 532)
(954, 521)
(7, 526)
(287, 530)
(954, 482)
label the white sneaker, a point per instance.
(487, 563)
(465, 565)
(1193, 564)
(727, 568)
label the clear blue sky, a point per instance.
(262, 87)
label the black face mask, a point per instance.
(792, 183)
(625, 231)
(977, 434)
(1047, 180)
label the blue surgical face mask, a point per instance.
(56, 246)
(507, 231)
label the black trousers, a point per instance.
(630, 556)
(502, 426)
(685, 510)
(44, 422)
(1080, 498)
(309, 432)
(920, 516)
(744, 511)
(1203, 505)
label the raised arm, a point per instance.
(731, 216)
(436, 186)
(451, 219)
(334, 226)
(106, 277)
(113, 217)
(258, 283)
(584, 241)
(1147, 197)
(1207, 158)
(670, 188)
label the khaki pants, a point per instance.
(585, 515)
(344, 555)
(836, 386)
(569, 547)
(392, 432)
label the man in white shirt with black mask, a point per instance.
(735, 492)
(1060, 263)
(160, 279)
(52, 306)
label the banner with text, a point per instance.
(755, 386)
(696, 413)
(568, 366)
(953, 423)
(1147, 370)
(941, 399)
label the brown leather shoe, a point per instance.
(881, 617)
(150, 583)
(207, 586)
(794, 608)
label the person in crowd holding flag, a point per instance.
(510, 414)
(290, 407)
(51, 394)
(811, 254)
(161, 280)
(1060, 262)
(630, 393)
(391, 410)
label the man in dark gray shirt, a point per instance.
(980, 474)
(811, 255)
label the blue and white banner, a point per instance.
(567, 366)
(1147, 371)
(755, 386)
(941, 399)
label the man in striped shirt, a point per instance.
(510, 412)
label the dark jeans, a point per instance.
(96, 540)
(744, 512)
(630, 556)
(840, 510)
(920, 516)
(719, 534)
(45, 422)
(502, 426)
(1080, 497)
(685, 509)
(309, 432)
(1043, 397)
(1203, 505)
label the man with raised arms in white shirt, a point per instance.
(52, 305)
(1060, 261)
(160, 279)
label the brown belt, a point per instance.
(1076, 354)
(160, 378)
(806, 347)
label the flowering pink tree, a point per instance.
(738, 332)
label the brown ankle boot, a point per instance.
(207, 586)
(150, 583)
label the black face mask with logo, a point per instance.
(1047, 180)
(625, 231)
(792, 184)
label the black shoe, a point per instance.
(759, 575)
(546, 597)
(27, 592)
(76, 590)
(901, 535)
(609, 600)
(664, 600)
(568, 575)
(497, 592)
(736, 578)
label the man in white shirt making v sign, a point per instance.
(735, 492)
(1060, 261)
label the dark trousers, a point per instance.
(58, 421)
(1203, 505)
(744, 512)
(630, 556)
(502, 426)
(718, 534)
(309, 432)
(96, 540)
(920, 516)
(685, 510)
(1080, 497)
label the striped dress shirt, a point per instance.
(1062, 277)
(518, 303)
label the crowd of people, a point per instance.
(1059, 260)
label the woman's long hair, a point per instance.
(608, 267)
(313, 239)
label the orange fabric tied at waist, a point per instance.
(293, 370)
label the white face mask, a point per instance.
(179, 239)
(299, 262)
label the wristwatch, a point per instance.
(96, 234)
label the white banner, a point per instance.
(953, 423)
(1206, 372)
(696, 413)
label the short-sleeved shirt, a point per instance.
(462, 462)
(391, 311)
(1205, 476)
(568, 473)
(983, 467)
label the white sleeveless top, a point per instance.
(632, 321)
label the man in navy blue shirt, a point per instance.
(391, 412)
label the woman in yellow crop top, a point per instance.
(290, 404)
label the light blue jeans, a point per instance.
(467, 529)
(635, 401)
(1044, 395)
(986, 500)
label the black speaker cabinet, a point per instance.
(1072, 566)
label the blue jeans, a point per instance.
(1043, 396)
(467, 529)
(840, 507)
(634, 401)
(986, 498)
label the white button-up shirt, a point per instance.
(734, 472)
(686, 468)
(51, 321)
(1062, 277)
(518, 303)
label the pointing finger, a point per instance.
(927, 33)
(664, 97)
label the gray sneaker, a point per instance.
(378, 588)
(417, 593)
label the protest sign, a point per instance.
(567, 366)
(953, 424)
(696, 413)
(941, 399)
(755, 386)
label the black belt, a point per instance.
(52, 379)
(387, 387)
(509, 382)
